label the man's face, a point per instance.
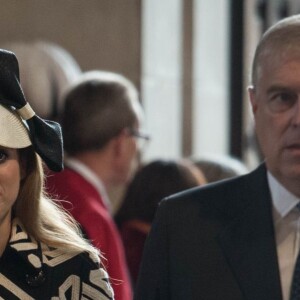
(131, 158)
(126, 159)
(275, 103)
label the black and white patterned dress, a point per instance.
(31, 270)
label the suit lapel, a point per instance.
(248, 243)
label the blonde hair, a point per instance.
(42, 217)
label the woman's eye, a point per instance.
(3, 156)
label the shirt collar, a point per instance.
(90, 176)
(283, 200)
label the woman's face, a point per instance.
(10, 177)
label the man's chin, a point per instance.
(292, 172)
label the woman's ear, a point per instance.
(119, 144)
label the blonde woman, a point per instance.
(42, 253)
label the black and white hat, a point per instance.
(20, 127)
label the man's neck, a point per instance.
(98, 164)
(292, 185)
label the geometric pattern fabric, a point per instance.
(32, 270)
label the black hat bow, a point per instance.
(45, 135)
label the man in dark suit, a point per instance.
(239, 239)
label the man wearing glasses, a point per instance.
(101, 126)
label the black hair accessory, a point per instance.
(45, 135)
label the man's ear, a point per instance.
(119, 144)
(253, 98)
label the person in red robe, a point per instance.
(101, 125)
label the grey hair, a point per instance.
(279, 39)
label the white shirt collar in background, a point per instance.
(91, 177)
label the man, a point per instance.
(239, 239)
(100, 122)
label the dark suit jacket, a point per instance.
(215, 242)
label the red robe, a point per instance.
(86, 205)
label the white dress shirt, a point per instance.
(287, 231)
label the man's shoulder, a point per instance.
(68, 182)
(234, 192)
(65, 174)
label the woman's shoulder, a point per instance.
(81, 267)
(53, 268)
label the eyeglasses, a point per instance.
(142, 138)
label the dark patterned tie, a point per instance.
(295, 287)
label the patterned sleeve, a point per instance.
(102, 288)
(99, 286)
(90, 281)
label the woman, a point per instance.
(153, 182)
(42, 253)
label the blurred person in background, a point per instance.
(46, 72)
(101, 123)
(154, 181)
(219, 167)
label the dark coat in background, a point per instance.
(214, 242)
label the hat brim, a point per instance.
(13, 132)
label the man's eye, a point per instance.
(286, 97)
(282, 101)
